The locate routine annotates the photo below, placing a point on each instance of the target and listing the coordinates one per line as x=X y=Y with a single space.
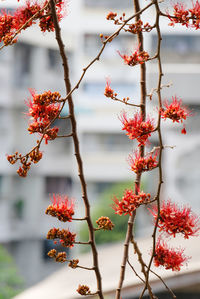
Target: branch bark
x=77 y=149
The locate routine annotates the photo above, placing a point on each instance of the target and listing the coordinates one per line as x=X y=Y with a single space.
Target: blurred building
x=34 y=63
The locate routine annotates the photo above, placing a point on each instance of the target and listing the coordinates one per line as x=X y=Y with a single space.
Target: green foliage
x=10 y=281
x=103 y=208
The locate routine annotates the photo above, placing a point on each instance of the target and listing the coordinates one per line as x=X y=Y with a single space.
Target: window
x=57 y=184
x=108 y=4
x=106 y=142
x=179 y=48
x=123 y=43
x=123 y=89
x=18 y=209
x=54 y=61
x=22 y=54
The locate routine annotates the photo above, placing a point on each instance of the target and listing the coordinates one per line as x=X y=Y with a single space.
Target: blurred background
x=34 y=62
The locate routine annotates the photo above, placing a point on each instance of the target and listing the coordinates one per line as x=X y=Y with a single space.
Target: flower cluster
x=111 y=15
x=104 y=223
x=186 y=17
x=83 y=290
x=137 y=128
x=43 y=109
x=60 y=257
x=175 y=111
x=139 y=27
x=167 y=257
x=26 y=16
x=140 y=164
x=130 y=202
x=174 y=220
x=134 y=28
x=67 y=238
x=34 y=156
x=73 y=263
x=46 y=20
x=136 y=57
x=109 y=92
x=62 y=208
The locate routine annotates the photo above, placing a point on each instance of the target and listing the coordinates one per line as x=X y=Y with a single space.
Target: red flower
x=175 y=111
x=23 y=14
x=174 y=220
x=195 y=14
x=11 y=24
x=167 y=257
x=183 y=131
x=67 y=238
x=46 y=22
x=44 y=108
x=137 y=128
x=136 y=57
x=139 y=164
x=129 y=202
x=62 y=208
x=181 y=15
x=6 y=25
x=187 y=17
x=109 y=92
x=111 y=15
x=51 y=134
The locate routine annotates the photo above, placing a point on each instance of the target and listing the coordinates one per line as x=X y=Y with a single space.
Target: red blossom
x=23 y=14
x=167 y=257
x=195 y=14
x=67 y=238
x=12 y=24
x=46 y=21
x=186 y=17
x=136 y=57
x=51 y=134
x=174 y=220
x=111 y=15
x=43 y=108
x=139 y=164
x=129 y=202
x=109 y=92
x=183 y=131
x=137 y=128
x=175 y=111
x=6 y=24
x=180 y=15
x=62 y=207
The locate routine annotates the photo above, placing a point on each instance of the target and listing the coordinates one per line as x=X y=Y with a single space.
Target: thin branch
x=86 y=268
x=82 y=243
x=77 y=149
x=64 y=117
x=142 y=263
x=79 y=219
x=135 y=272
x=64 y=136
x=125 y=102
x=155 y=89
x=160 y=142
x=138 y=177
x=169 y=290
